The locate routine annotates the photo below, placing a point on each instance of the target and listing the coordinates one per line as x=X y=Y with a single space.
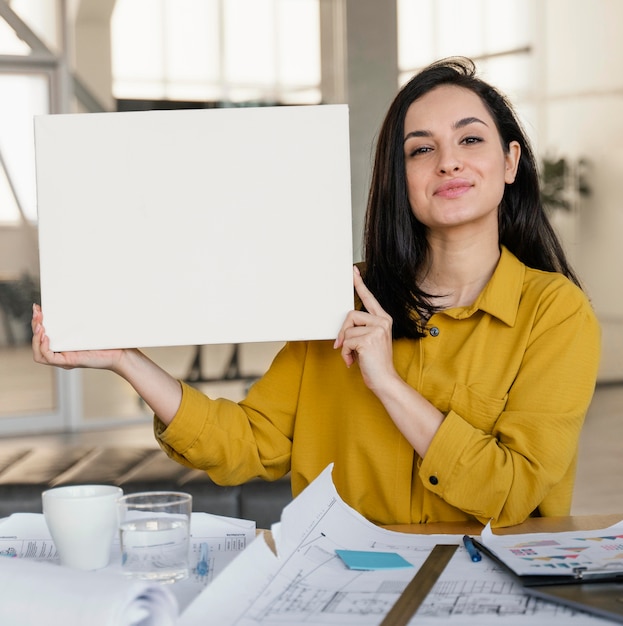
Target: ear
x=511 y=159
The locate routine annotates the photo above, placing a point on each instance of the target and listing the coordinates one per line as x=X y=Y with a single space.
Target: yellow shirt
x=514 y=374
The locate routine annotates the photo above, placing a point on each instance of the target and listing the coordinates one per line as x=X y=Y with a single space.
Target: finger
x=38 y=333
x=367 y=298
x=36 y=317
x=360 y=318
x=359 y=338
x=50 y=357
x=39 y=346
x=36 y=342
x=348 y=356
x=353 y=319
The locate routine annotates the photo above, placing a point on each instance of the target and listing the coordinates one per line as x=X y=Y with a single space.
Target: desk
x=292 y=588
x=531 y=525
x=417 y=590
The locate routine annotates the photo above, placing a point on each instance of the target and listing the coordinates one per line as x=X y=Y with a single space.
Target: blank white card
x=195 y=227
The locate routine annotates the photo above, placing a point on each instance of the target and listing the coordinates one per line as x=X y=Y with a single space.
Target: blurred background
x=558 y=60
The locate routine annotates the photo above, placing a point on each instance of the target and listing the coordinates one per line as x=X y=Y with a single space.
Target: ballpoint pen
x=473 y=552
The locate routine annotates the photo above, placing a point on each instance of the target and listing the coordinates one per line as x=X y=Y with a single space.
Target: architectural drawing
x=307 y=583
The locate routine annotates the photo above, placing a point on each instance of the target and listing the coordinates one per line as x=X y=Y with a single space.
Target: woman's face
x=456 y=167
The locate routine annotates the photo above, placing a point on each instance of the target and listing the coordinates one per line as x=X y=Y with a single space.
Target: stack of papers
x=28 y=562
x=328 y=565
x=35 y=593
x=304 y=580
x=567 y=556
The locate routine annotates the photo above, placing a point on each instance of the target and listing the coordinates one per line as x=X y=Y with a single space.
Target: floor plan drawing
x=307 y=583
x=499 y=598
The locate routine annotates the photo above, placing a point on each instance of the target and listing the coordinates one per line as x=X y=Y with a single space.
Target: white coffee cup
x=83 y=521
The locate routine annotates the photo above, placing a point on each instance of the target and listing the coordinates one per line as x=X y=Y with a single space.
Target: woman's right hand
x=161 y=391
x=97 y=359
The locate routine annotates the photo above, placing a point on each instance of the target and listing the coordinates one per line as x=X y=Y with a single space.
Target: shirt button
x=433 y=480
x=434 y=331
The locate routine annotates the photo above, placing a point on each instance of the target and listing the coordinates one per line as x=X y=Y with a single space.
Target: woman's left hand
x=366 y=337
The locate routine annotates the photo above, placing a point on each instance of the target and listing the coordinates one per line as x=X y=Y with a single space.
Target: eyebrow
x=466 y=121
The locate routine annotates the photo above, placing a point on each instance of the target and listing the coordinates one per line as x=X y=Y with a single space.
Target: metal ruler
x=415 y=592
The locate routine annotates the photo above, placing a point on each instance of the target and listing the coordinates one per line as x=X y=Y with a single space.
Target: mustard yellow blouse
x=514 y=374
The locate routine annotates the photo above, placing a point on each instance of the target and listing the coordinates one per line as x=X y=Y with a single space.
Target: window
x=497 y=34
x=42 y=17
x=30 y=396
x=196 y=50
x=217 y=50
x=29 y=97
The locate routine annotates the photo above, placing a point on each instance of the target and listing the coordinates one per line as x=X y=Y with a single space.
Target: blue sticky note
x=363 y=560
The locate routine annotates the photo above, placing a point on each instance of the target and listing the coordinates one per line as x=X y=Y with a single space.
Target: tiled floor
x=599 y=484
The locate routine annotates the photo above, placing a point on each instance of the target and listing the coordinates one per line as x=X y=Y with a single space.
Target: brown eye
x=472 y=140
x=419 y=150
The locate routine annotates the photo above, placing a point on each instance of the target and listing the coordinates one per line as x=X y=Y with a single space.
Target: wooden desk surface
x=532 y=525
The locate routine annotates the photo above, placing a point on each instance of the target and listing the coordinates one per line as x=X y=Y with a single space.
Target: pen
x=474 y=555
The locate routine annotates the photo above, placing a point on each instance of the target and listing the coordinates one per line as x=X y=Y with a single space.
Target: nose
x=449 y=160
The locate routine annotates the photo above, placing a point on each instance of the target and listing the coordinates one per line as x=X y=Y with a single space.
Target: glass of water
x=155 y=531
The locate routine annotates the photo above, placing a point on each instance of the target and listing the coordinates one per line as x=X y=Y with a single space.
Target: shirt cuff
x=179 y=435
x=438 y=467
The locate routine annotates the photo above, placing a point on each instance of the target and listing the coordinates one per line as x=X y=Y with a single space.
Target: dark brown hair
x=395 y=241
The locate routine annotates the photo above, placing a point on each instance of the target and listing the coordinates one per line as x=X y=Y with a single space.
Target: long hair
x=395 y=242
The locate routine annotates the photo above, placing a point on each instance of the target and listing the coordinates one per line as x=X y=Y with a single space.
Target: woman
x=457 y=390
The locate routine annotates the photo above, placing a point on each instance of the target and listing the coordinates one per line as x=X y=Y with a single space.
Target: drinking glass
x=154 y=535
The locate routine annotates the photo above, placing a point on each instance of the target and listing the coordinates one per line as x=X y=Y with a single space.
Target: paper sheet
x=25 y=536
x=37 y=592
x=547 y=554
x=307 y=583
x=194 y=227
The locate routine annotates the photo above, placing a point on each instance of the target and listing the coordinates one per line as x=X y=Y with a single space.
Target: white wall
x=372 y=79
x=360 y=68
x=18 y=251
x=92 y=47
x=583 y=106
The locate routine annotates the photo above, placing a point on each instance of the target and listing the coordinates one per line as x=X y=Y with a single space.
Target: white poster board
x=194 y=227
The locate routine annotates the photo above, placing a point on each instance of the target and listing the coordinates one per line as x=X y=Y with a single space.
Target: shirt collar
x=501 y=295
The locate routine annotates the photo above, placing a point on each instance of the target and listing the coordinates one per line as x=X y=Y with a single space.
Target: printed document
x=215 y=541
x=307 y=582
x=597 y=552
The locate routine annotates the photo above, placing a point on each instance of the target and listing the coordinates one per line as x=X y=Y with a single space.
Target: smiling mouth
x=453 y=190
